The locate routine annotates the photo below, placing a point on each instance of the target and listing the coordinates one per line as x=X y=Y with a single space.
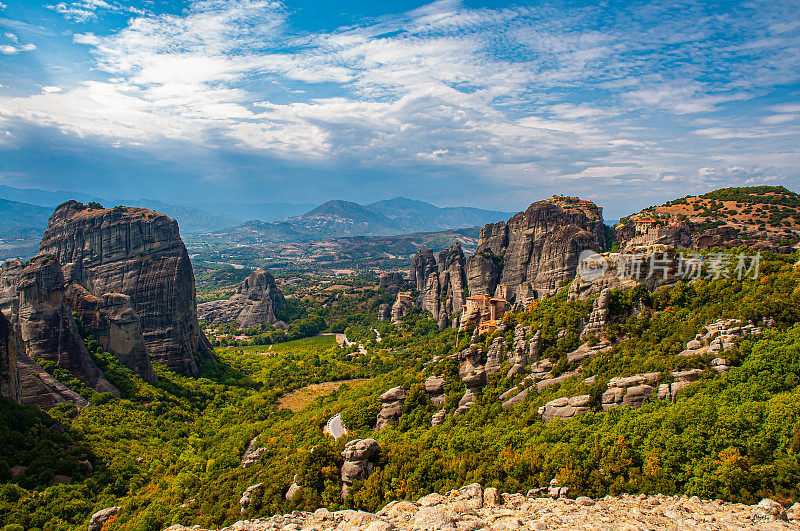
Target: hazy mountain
x=337 y=218
x=21 y=227
x=256 y=211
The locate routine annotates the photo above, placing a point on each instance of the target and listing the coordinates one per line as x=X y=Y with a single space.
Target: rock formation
x=101 y=517
x=44 y=323
x=391 y=282
x=564 y=408
x=112 y=320
x=474 y=377
x=401 y=307
x=384 y=312
x=391 y=407
x=601 y=313
x=9 y=373
x=629 y=391
x=139 y=253
x=252 y=454
x=655 y=267
x=247 y=496
x=434 y=388
x=360 y=456
x=473 y=508
x=255 y=301
x=521 y=349
x=537 y=248
x=440 y=285
x=495 y=355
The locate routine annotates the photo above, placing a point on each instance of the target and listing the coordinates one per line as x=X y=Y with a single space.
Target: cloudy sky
x=491 y=104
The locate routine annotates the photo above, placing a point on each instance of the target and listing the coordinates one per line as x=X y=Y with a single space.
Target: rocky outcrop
x=401 y=307
x=294 y=488
x=600 y=316
x=474 y=377
x=247 y=496
x=495 y=355
x=473 y=508
x=434 y=388
x=565 y=407
x=392 y=282
x=521 y=349
x=44 y=324
x=440 y=284
x=483 y=273
x=360 y=456
x=99 y=518
x=384 y=312
x=255 y=301
x=653 y=268
x=668 y=391
x=112 y=320
x=629 y=391
x=391 y=407
x=34 y=385
x=538 y=248
x=9 y=373
x=139 y=253
x=252 y=454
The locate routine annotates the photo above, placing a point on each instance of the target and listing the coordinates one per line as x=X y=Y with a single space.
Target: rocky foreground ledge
x=472 y=508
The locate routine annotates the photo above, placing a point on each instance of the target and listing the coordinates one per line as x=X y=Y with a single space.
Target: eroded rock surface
x=46 y=327
x=9 y=373
x=139 y=253
x=112 y=320
x=256 y=299
x=359 y=456
x=538 y=248
x=475 y=508
x=391 y=407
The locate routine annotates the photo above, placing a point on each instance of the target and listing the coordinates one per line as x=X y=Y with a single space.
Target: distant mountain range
x=24 y=214
x=336 y=219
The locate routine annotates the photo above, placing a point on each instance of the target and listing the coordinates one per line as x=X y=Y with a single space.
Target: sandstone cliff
x=440 y=284
x=114 y=323
x=255 y=301
x=47 y=328
x=535 y=250
x=138 y=253
x=9 y=374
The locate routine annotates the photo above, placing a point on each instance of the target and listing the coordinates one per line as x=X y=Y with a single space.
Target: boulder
x=247 y=497
x=99 y=518
x=359 y=456
x=434 y=388
x=564 y=408
x=391 y=407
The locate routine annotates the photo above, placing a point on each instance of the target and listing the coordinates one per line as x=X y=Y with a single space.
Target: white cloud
x=51 y=90
x=513 y=91
x=8 y=49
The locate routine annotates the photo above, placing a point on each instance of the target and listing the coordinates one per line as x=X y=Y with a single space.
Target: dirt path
x=300 y=398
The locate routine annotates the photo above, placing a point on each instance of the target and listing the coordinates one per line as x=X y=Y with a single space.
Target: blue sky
x=491 y=104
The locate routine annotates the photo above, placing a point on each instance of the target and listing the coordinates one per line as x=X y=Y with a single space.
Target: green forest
x=171 y=452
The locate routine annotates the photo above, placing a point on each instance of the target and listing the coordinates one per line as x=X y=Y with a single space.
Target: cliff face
x=536 y=249
x=440 y=284
x=47 y=327
x=9 y=374
x=31 y=297
x=112 y=320
x=138 y=253
x=255 y=301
